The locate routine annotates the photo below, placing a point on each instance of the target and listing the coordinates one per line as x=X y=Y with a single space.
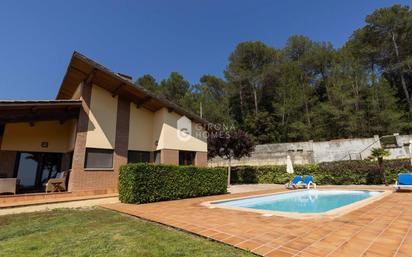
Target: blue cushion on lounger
x=307 y=179
x=297 y=179
x=405 y=179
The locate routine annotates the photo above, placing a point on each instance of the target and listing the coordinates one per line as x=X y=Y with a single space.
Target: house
x=99 y=121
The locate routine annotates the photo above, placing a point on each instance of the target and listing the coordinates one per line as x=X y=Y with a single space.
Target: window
x=99 y=159
x=138 y=156
x=186 y=157
x=157 y=157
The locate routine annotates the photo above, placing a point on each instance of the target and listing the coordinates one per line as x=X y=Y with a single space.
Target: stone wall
x=344 y=149
x=315 y=152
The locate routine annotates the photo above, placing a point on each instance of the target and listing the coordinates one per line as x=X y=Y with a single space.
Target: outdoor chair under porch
x=8 y=185
x=57 y=183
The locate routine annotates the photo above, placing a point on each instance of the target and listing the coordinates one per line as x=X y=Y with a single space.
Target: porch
x=32 y=199
x=36 y=144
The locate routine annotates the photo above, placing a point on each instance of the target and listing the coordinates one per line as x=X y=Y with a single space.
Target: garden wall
x=316 y=152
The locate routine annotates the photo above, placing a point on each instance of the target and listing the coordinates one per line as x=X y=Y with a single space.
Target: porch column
x=201 y=159
x=98 y=180
x=169 y=156
x=122 y=135
x=79 y=152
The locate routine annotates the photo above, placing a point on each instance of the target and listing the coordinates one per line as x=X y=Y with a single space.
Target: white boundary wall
x=314 y=152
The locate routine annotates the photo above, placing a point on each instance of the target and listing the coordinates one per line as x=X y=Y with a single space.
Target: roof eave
x=162 y=100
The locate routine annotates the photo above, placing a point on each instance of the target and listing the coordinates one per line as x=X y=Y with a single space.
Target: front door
x=34 y=169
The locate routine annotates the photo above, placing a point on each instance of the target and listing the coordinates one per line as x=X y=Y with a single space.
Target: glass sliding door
x=34 y=169
x=50 y=166
x=27 y=169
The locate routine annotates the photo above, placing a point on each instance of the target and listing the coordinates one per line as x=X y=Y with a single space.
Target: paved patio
x=382 y=228
x=18 y=200
x=12 y=204
x=83 y=203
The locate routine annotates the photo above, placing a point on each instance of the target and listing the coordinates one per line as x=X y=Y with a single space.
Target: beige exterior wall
x=24 y=137
x=101 y=130
x=157 y=129
x=165 y=132
x=141 y=129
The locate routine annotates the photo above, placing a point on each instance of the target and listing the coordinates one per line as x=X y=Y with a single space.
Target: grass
x=99 y=232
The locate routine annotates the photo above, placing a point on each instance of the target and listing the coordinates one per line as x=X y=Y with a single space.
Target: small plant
x=380 y=153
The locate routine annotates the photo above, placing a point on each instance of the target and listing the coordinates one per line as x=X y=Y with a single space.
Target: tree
x=310 y=90
x=212 y=97
x=287 y=103
x=383 y=115
x=229 y=145
x=380 y=153
x=246 y=65
x=262 y=127
x=175 y=88
x=386 y=38
x=149 y=82
x=341 y=89
x=297 y=52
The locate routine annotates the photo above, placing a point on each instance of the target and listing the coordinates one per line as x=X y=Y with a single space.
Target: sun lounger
x=308 y=181
x=404 y=181
x=296 y=181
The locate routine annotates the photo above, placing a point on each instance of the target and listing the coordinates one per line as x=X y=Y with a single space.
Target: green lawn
x=99 y=232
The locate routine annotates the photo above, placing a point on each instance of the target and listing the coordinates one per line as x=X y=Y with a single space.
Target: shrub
x=328 y=173
x=144 y=183
x=259 y=175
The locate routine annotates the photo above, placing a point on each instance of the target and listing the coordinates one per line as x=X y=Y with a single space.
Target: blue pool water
x=307 y=201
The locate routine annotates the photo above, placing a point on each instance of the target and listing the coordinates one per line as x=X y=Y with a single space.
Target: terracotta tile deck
x=20 y=200
x=382 y=228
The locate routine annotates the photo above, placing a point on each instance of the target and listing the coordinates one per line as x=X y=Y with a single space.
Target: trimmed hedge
x=144 y=183
x=328 y=173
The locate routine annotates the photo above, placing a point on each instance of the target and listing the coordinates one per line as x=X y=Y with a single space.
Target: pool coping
x=334 y=213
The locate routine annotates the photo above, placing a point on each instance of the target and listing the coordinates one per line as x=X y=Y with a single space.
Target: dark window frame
x=39 y=169
x=99 y=150
x=157 y=155
x=2 y=129
x=143 y=156
x=187 y=158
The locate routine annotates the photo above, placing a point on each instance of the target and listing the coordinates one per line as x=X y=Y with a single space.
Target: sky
x=192 y=37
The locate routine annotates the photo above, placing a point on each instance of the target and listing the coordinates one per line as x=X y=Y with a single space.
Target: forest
x=307 y=89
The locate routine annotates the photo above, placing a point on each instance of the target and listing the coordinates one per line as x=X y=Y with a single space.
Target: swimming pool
x=304 y=202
